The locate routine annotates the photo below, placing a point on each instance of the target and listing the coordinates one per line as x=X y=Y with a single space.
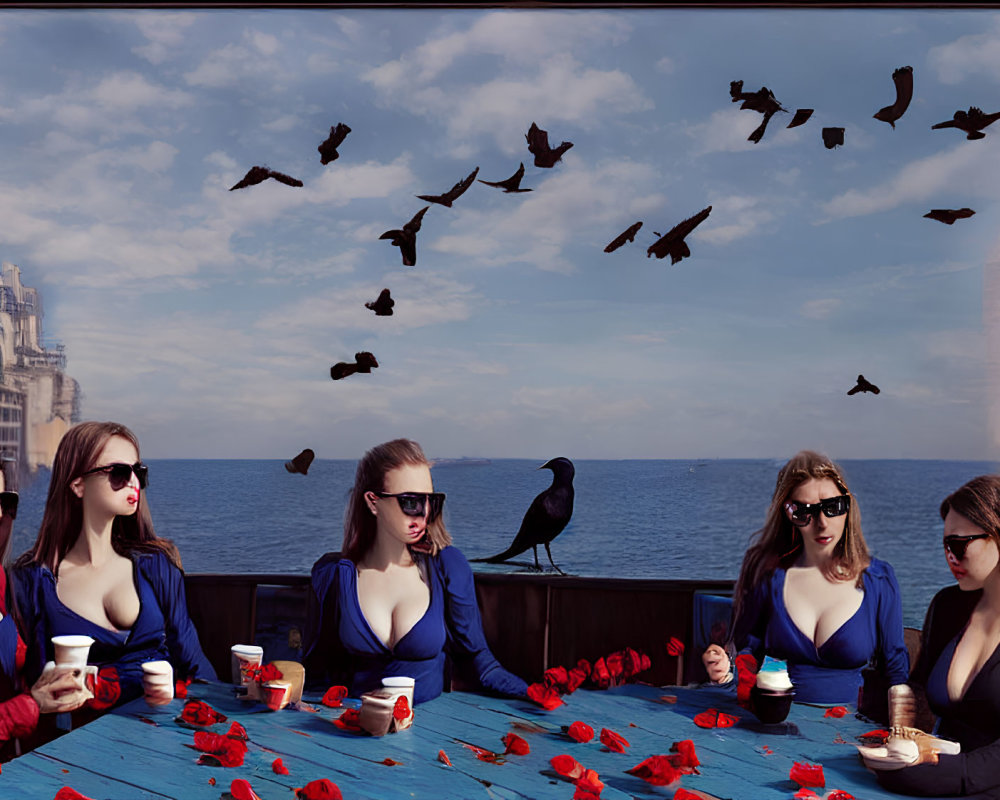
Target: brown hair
x=979 y=502
x=777 y=544
x=8 y=469
x=63 y=518
x=359 y=522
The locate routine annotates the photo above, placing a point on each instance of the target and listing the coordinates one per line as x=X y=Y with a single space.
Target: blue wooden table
x=139 y=752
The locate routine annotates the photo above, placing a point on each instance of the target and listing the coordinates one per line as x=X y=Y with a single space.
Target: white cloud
x=235 y=64
x=744 y=216
x=165 y=32
x=820 y=309
x=727 y=130
x=665 y=65
x=975 y=54
x=282 y=124
x=581 y=403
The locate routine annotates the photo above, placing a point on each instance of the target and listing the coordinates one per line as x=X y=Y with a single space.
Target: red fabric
x=18 y=717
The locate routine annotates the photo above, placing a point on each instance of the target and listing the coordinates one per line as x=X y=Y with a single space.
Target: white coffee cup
x=72 y=651
x=401 y=685
x=158 y=682
x=245 y=655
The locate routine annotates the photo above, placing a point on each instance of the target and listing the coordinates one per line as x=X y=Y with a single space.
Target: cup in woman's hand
x=158 y=682
x=72 y=651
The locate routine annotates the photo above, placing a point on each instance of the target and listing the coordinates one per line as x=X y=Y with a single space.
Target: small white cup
x=399 y=685
x=158 y=682
x=245 y=655
x=72 y=651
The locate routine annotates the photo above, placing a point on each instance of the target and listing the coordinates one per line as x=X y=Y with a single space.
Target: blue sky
x=208 y=320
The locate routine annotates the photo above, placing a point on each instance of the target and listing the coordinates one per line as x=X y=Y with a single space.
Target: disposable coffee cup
x=397 y=686
x=243 y=656
x=71 y=651
x=158 y=682
x=276 y=694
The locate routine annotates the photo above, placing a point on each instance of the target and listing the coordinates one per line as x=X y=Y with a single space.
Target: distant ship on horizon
x=464 y=461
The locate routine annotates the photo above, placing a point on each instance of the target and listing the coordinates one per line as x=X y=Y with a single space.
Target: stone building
x=38 y=401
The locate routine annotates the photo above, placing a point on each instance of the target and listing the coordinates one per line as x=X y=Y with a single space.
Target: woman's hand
x=60 y=689
x=717 y=664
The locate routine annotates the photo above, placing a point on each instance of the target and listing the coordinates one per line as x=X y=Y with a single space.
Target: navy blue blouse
x=831 y=673
x=163 y=629
x=339 y=640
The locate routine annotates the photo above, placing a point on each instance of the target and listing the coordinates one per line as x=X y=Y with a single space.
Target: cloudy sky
x=208 y=320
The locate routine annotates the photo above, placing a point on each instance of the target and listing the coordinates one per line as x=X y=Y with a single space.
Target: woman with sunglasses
x=56 y=691
x=400 y=595
x=958 y=669
x=98 y=568
x=809 y=592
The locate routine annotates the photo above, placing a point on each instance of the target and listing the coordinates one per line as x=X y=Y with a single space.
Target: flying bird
x=538 y=146
x=627 y=235
x=832 y=137
x=903 y=78
x=673 y=243
x=546 y=516
x=972 y=122
x=363 y=362
x=763 y=100
x=864 y=386
x=406 y=239
x=453 y=193
x=383 y=306
x=512 y=183
x=328 y=149
x=949 y=215
x=301 y=462
x=801 y=115
x=260 y=174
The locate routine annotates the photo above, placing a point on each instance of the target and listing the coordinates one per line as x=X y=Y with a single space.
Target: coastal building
x=38 y=401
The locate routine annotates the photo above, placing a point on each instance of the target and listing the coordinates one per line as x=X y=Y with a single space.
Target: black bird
x=949 y=215
x=406 y=239
x=627 y=235
x=364 y=362
x=453 y=193
x=546 y=516
x=301 y=462
x=260 y=174
x=328 y=149
x=903 y=78
x=832 y=137
x=972 y=122
x=538 y=146
x=864 y=386
x=383 y=306
x=801 y=115
x=763 y=100
x=512 y=183
x=673 y=243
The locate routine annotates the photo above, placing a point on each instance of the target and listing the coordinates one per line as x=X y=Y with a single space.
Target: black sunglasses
x=412 y=503
x=8 y=504
x=120 y=474
x=803 y=513
x=957 y=545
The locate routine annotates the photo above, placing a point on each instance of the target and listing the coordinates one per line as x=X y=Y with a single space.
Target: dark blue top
x=339 y=639
x=163 y=629
x=831 y=673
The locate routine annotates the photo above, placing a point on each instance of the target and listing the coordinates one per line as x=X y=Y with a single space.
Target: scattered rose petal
x=323 y=789
x=181 y=688
x=334 y=696
x=350 y=720
x=443 y=758
x=580 y=732
x=401 y=709
x=237 y=731
x=547 y=697
x=839 y=794
x=219 y=749
x=567 y=766
x=836 y=711
x=684 y=794
x=104 y=687
x=242 y=790
x=688 y=756
x=600 y=675
x=390 y=763
x=616 y=667
x=279 y=767
x=875 y=737
x=675 y=646
x=68 y=793
x=657 y=770
x=613 y=741
x=197 y=712
x=588 y=785
x=575 y=678
x=556 y=677
x=483 y=754
x=668 y=699
x=211 y=781
x=516 y=745
x=804 y=794
x=713 y=718
x=269 y=672
x=807 y=774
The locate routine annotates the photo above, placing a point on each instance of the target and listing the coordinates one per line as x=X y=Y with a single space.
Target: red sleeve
x=18 y=717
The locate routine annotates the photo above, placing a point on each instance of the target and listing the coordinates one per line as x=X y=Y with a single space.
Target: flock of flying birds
x=763 y=101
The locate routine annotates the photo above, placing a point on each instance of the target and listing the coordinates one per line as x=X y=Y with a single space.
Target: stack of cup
x=158 y=682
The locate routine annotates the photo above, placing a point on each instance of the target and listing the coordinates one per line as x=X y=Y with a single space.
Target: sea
x=679 y=519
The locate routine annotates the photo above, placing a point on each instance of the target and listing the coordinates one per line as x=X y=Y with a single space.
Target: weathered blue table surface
x=122 y=756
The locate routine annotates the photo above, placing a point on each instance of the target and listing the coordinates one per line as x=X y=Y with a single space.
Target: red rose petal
x=567 y=766
x=575 y=678
x=68 y=793
x=105 y=688
x=689 y=758
x=675 y=646
x=443 y=758
x=237 y=731
x=589 y=783
x=600 y=675
x=804 y=794
x=656 y=770
x=323 y=789
x=390 y=763
x=839 y=794
x=807 y=774
x=580 y=731
x=547 y=697
x=684 y=794
x=334 y=695
x=556 y=677
x=727 y=720
x=279 y=767
x=836 y=711
x=181 y=688
x=241 y=790
x=613 y=741
x=401 y=709
x=483 y=754
x=616 y=666
x=350 y=720
x=516 y=745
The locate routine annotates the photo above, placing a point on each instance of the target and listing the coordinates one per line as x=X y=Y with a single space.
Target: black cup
x=770 y=707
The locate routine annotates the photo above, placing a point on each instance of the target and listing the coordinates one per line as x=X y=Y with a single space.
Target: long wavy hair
x=9 y=471
x=979 y=502
x=360 y=523
x=779 y=543
x=62 y=521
